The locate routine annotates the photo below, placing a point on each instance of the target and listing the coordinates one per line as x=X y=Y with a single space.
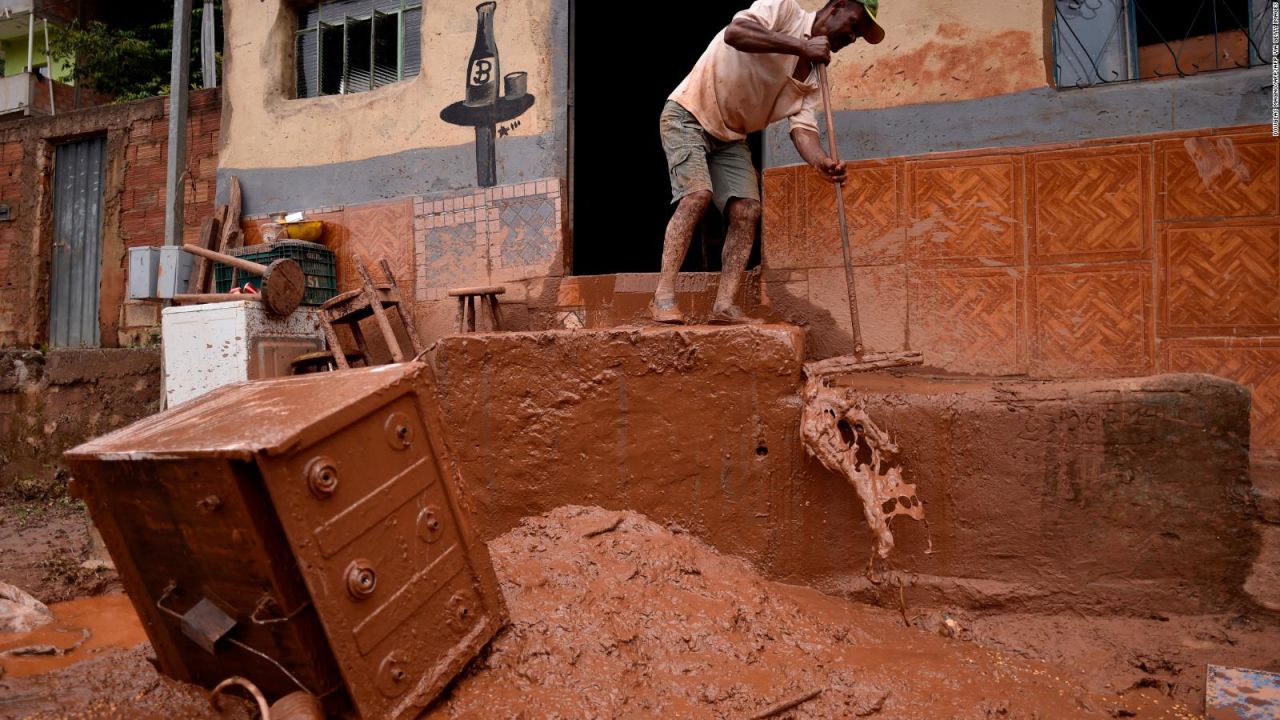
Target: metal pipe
x=208 y=46
x=31 y=42
x=48 y=62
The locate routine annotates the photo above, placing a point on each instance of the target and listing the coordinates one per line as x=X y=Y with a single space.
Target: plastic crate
x=317 y=262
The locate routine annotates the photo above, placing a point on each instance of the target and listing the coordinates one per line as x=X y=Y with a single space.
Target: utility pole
x=179 y=96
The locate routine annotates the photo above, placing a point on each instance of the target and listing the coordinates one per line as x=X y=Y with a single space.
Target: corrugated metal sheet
x=76 y=272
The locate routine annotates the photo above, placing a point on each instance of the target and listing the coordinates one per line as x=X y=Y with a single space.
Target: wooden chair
x=352 y=306
x=467 y=306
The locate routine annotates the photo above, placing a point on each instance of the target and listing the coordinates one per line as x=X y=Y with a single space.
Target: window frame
x=1257 y=36
x=372 y=16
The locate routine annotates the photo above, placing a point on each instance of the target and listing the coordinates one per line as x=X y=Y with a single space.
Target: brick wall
x=147 y=156
x=133 y=205
x=1128 y=256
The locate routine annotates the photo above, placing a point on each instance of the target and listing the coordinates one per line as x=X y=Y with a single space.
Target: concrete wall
x=1123 y=495
x=944 y=51
x=293 y=154
x=134 y=201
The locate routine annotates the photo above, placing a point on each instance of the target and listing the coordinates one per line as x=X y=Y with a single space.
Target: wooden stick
x=202 y=268
x=198 y=298
x=864 y=363
x=844 y=222
x=787 y=705
x=235 y=262
x=231 y=222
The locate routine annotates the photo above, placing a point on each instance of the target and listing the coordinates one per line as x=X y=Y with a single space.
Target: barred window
x=1108 y=41
x=349 y=46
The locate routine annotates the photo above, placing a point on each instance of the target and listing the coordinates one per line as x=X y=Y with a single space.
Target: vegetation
x=127 y=52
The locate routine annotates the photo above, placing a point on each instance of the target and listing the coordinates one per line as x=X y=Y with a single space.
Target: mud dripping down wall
x=838 y=431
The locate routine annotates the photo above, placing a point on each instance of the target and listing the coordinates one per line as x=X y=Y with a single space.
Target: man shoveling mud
x=760 y=69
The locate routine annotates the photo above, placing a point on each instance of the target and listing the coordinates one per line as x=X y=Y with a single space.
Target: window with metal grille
x=349 y=46
x=1109 y=41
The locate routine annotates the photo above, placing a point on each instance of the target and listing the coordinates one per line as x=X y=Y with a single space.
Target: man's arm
x=810 y=148
x=752 y=37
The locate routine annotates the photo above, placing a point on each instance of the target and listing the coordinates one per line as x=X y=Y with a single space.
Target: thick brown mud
x=615 y=616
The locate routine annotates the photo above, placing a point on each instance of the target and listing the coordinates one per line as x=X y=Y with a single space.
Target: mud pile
x=615 y=616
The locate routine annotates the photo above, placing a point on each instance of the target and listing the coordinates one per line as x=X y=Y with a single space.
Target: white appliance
x=208 y=346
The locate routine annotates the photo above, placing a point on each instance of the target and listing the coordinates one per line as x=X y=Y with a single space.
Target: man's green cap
x=876 y=33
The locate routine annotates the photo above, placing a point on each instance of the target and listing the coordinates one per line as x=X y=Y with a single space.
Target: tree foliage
x=128 y=55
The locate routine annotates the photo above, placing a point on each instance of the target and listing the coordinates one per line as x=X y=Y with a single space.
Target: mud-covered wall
x=50 y=402
x=1119 y=257
x=1126 y=495
x=133 y=207
x=294 y=154
x=944 y=51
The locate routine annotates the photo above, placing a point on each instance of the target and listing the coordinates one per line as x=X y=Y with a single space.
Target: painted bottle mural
x=482 y=71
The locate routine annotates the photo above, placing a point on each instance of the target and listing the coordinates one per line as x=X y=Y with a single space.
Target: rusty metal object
x=283 y=283
x=215 y=697
x=322 y=477
x=206 y=624
x=429 y=524
x=361 y=579
x=296 y=706
x=367 y=501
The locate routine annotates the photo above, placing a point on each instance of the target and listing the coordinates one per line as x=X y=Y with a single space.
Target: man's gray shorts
x=698 y=161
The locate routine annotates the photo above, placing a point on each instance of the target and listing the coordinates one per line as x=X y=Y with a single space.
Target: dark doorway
x=623 y=74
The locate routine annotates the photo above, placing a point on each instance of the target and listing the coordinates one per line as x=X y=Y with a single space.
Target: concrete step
x=1265 y=473
x=1263 y=584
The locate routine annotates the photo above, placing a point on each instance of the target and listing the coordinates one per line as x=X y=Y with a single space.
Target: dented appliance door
x=393 y=572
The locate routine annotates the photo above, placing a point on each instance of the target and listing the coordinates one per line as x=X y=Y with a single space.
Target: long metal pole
x=179 y=82
x=844 y=222
x=48 y=62
x=209 y=46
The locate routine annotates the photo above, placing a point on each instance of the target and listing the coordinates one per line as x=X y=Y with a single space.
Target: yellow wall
x=264 y=127
x=942 y=51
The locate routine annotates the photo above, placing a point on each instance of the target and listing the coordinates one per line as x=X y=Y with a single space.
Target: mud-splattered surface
x=614 y=616
x=116 y=684
x=44 y=545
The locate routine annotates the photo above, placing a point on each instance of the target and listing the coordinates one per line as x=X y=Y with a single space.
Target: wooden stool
x=467 y=306
x=351 y=307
